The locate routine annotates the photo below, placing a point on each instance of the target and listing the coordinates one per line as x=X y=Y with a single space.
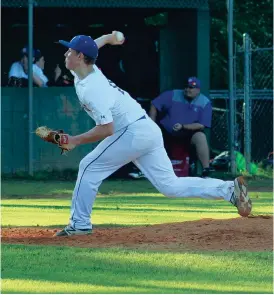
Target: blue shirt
x=178 y=109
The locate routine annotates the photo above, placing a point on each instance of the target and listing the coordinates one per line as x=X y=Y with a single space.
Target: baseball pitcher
x=127 y=134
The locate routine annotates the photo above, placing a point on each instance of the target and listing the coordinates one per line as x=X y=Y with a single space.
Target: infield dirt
x=254 y=233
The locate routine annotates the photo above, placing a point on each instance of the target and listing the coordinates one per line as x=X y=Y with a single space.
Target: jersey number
x=112 y=84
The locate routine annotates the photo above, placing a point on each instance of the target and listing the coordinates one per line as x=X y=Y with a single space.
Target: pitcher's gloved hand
x=57 y=137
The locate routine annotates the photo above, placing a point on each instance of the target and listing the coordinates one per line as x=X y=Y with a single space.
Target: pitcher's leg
x=90 y=176
x=158 y=169
x=105 y=159
x=84 y=194
x=111 y=154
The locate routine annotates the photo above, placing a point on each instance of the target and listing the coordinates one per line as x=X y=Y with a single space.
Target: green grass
x=49 y=269
x=21 y=188
x=15 y=188
x=119 y=203
x=69 y=270
x=125 y=210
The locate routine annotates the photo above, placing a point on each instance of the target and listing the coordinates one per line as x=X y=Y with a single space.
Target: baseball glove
x=56 y=137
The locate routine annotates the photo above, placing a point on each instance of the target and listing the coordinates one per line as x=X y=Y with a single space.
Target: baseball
x=120 y=36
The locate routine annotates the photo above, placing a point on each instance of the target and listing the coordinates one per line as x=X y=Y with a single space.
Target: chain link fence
x=252 y=65
x=262 y=102
x=253 y=81
x=220 y=116
x=220 y=123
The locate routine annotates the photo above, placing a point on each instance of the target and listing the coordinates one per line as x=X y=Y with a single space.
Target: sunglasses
x=190 y=86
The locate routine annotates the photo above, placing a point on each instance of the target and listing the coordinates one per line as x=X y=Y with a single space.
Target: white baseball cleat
x=71 y=231
x=240 y=198
x=137 y=175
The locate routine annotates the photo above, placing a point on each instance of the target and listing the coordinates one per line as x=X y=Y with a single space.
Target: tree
x=250 y=16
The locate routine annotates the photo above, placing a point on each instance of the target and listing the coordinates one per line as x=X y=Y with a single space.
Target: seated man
x=185 y=115
x=43 y=81
x=38 y=68
x=18 y=73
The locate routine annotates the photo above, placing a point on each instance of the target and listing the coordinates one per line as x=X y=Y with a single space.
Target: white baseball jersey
x=105 y=102
x=40 y=74
x=16 y=70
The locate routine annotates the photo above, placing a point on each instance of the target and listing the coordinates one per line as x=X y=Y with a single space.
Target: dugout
x=167 y=40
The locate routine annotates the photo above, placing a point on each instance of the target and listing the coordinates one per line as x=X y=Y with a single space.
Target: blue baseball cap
x=37 y=54
x=83 y=44
x=193 y=82
x=25 y=51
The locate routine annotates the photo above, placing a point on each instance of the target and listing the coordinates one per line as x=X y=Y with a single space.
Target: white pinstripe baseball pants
x=141 y=143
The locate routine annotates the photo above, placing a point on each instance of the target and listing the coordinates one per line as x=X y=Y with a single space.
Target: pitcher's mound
x=253 y=234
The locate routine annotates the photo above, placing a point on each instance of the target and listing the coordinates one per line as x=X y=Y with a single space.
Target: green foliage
x=250 y=16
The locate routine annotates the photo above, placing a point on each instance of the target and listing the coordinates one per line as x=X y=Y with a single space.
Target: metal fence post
x=231 y=92
x=237 y=145
x=247 y=101
x=30 y=84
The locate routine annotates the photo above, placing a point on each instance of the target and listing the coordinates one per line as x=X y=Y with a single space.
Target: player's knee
x=168 y=192
x=83 y=164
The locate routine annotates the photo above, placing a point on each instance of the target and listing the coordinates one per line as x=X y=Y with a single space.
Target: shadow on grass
x=143 y=210
x=35 y=206
x=37 y=197
x=141 y=271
